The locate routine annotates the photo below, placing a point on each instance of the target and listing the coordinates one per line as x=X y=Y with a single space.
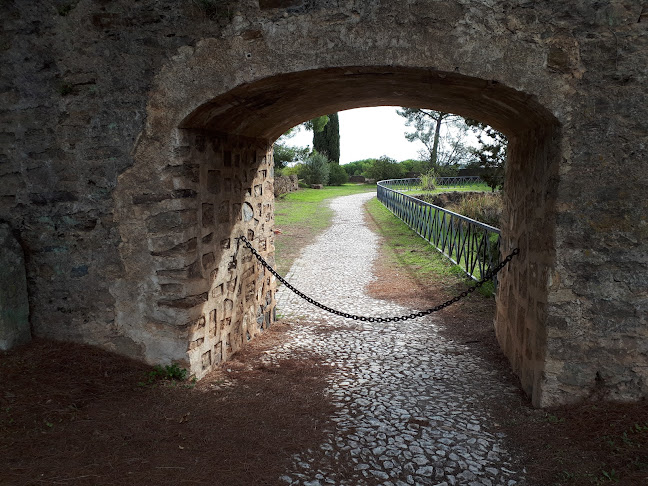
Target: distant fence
x=472 y=245
x=414 y=184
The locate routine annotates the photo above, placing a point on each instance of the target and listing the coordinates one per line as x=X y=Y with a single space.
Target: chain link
x=489 y=275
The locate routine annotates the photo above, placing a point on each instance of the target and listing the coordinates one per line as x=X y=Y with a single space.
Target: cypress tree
x=327 y=141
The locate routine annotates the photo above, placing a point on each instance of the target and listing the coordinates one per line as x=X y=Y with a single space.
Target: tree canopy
x=490 y=157
x=384 y=168
x=316 y=125
x=444 y=149
x=285 y=154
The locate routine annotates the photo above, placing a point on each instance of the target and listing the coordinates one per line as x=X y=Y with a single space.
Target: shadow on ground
x=73 y=414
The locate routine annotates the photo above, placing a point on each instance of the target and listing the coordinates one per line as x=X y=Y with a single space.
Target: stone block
x=185 y=302
x=14 y=306
x=171 y=221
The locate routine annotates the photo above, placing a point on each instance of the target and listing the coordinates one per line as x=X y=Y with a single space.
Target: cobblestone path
x=410 y=405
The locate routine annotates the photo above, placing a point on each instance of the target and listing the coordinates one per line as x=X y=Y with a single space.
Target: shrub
x=384 y=168
x=486 y=208
x=337 y=175
x=315 y=169
x=288 y=171
x=428 y=180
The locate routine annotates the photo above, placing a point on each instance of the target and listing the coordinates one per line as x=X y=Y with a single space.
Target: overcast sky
x=368 y=133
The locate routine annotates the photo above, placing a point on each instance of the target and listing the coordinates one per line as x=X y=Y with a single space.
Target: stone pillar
x=529 y=202
x=14 y=306
x=193 y=296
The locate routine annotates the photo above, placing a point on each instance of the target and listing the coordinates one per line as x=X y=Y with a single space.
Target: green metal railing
x=470 y=244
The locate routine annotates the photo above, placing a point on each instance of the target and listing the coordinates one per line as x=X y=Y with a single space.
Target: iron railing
x=414 y=184
x=470 y=244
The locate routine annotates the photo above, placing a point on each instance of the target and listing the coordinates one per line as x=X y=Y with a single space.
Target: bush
x=337 y=175
x=315 y=169
x=429 y=180
x=384 y=168
x=486 y=208
x=288 y=171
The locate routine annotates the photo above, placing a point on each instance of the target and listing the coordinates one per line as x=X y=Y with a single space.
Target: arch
x=226 y=140
x=270 y=106
x=216 y=106
x=107 y=179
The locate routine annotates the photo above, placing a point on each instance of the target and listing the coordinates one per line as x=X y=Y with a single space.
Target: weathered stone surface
x=14 y=305
x=120 y=120
x=285 y=184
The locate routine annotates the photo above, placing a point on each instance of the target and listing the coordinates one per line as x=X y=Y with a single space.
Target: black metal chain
x=489 y=275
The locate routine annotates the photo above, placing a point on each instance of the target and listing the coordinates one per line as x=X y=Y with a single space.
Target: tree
x=444 y=149
x=491 y=155
x=327 y=140
x=384 y=168
x=417 y=167
x=316 y=125
x=284 y=155
x=315 y=169
x=337 y=175
x=358 y=167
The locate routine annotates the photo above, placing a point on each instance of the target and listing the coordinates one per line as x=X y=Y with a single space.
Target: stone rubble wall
x=285 y=184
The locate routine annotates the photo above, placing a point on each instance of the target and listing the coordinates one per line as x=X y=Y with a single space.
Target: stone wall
x=203 y=295
x=529 y=205
x=113 y=114
x=285 y=184
x=14 y=305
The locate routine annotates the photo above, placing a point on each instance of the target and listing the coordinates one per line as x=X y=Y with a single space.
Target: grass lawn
x=408 y=249
x=301 y=216
x=411 y=252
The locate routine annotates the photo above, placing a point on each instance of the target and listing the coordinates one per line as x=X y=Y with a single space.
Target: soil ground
x=75 y=415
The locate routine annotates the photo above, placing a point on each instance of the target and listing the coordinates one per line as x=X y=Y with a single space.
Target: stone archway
x=111 y=132
x=221 y=102
x=218 y=185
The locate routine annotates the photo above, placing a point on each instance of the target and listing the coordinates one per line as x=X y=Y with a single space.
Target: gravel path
x=410 y=405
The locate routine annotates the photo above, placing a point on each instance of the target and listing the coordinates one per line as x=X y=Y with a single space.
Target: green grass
x=302 y=206
x=302 y=215
x=407 y=249
x=481 y=187
x=421 y=260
